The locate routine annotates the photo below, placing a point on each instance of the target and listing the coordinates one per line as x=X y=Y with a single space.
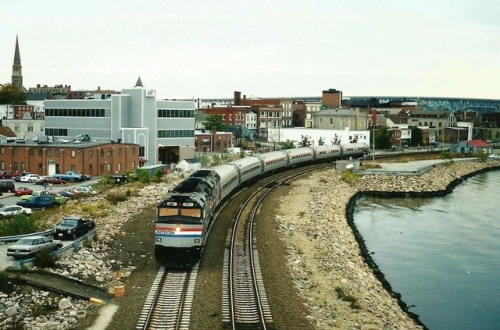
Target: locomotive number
x=165 y=232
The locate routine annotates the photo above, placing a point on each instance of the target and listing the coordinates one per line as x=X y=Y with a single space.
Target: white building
x=164 y=129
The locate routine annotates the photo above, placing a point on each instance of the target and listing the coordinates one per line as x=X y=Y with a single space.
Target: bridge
x=427 y=103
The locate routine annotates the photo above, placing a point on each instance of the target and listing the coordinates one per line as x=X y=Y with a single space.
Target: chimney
x=237 y=98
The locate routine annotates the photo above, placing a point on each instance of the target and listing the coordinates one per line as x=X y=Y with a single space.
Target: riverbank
x=328 y=261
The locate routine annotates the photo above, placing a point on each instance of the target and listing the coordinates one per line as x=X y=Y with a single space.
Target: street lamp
x=373 y=144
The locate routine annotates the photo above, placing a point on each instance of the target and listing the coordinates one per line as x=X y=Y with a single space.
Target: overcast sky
x=263 y=48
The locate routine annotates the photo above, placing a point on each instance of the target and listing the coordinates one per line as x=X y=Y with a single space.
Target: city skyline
x=263 y=49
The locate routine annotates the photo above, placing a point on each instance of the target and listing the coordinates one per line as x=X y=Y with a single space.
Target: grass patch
x=342 y=294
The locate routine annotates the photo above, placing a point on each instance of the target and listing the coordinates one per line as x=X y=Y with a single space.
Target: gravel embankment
x=312 y=264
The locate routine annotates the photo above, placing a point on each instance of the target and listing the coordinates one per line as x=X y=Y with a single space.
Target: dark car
x=5 y=175
x=73 y=227
x=51 y=180
x=39 y=202
x=7 y=186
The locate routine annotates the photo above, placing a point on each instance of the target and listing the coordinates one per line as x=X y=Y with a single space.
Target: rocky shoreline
x=329 y=262
x=331 y=268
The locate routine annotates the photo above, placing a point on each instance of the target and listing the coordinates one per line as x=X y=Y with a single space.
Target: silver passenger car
x=274 y=160
x=29 y=247
x=300 y=155
x=229 y=178
x=249 y=167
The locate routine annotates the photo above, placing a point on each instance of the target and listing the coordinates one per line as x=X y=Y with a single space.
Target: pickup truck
x=70 y=176
x=72 y=227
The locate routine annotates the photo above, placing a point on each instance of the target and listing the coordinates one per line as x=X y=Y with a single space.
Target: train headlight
x=197 y=240
x=178 y=229
x=158 y=239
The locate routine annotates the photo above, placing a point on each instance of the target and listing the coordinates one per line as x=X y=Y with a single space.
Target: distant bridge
x=429 y=103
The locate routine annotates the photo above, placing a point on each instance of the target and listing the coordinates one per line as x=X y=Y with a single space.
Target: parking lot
x=11 y=199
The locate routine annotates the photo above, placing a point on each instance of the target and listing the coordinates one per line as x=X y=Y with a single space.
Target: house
x=471 y=147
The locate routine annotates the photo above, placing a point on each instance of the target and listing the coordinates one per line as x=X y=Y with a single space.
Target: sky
x=262 y=48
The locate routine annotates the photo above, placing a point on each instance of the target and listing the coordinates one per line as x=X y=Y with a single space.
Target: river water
x=441 y=254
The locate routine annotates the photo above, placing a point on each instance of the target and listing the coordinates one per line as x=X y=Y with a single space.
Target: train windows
x=165 y=212
x=193 y=213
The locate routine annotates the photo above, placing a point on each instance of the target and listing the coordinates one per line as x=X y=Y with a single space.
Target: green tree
x=416 y=136
x=10 y=94
x=287 y=145
x=383 y=138
x=215 y=121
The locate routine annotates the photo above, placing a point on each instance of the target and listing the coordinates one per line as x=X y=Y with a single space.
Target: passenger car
x=59 y=199
x=5 y=175
x=11 y=210
x=51 y=180
x=21 y=191
x=72 y=227
x=31 y=246
x=39 y=202
x=7 y=186
x=31 y=178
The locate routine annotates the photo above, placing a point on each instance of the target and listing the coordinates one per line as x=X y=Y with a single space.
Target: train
x=184 y=216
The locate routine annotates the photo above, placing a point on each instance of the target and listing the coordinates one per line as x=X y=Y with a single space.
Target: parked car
x=70 y=193
x=72 y=227
x=51 y=180
x=85 y=190
x=22 y=191
x=12 y=210
x=493 y=156
x=31 y=178
x=39 y=202
x=30 y=246
x=18 y=177
x=7 y=186
x=58 y=198
x=5 y=175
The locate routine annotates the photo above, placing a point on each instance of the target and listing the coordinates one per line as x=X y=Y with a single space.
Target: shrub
x=115 y=198
x=18 y=225
x=7 y=284
x=349 y=176
x=144 y=176
x=346 y=296
x=45 y=259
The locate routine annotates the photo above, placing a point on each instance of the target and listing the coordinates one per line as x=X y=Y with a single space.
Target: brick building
x=92 y=158
x=213 y=141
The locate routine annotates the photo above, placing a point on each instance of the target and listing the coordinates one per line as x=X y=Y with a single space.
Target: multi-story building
x=332 y=98
x=163 y=129
x=310 y=109
x=435 y=120
x=352 y=119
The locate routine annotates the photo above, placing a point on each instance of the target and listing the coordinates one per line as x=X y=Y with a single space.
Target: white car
x=31 y=178
x=85 y=190
x=8 y=211
x=493 y=156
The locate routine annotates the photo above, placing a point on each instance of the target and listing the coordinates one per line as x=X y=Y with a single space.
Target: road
x=11 y=199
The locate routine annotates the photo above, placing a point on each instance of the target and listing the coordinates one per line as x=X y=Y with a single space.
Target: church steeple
x=17 y=74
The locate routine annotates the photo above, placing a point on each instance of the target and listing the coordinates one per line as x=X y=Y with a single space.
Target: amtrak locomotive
x=184 y=217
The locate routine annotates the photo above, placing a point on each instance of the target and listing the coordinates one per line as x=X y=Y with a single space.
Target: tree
x=10 y=94
x=383 y=138
x=305 y=141
x=321 y=141
x=287 y=145
x=215 y=121
x=416 y=136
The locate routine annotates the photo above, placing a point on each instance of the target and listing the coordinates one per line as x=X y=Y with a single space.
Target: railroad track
x=244 y=299
x=169 y=302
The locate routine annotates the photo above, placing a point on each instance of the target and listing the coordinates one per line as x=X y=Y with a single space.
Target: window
x=73 y=154
x=91 y=169
x=2 y=150
x=119 y=151
x=102 y=152
x=31 y=151
x=15 y=151
x=58 y=152
x=40 y=151
x=91 y=153
x=133 y=150
x=49 y=152
x=119 y=167
x=110 y=152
